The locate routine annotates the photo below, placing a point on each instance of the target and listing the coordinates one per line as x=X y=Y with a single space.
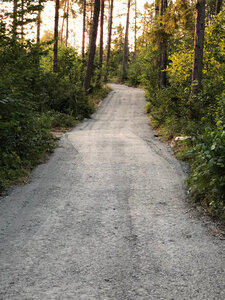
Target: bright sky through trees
x=75 y=24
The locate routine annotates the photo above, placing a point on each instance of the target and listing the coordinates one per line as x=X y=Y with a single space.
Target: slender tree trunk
x=67 y=22
x=91 y=23
x=163 y=49
x=56 y=35
x=135 y=29
x=90 y=64
x=63 y=20
x=22 y=19
x=126 y=46
x=84 y=27
x=39 y=24
x=198 y=46
x=109 y=39
x=15 y=19
x=101 y=37
x=218 y=6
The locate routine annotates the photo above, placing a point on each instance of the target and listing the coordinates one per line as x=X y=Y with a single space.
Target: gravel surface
x=107 y=218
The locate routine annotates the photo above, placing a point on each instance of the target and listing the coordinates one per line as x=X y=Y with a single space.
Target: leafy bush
x=207 y=178
x=24 y=139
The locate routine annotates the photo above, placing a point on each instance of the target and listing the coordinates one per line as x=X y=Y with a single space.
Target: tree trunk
x=101 y=37
x=135 y=29
x=67 y=22
x=163 y=50
x=126 y=46
x=218 y=6
x=39 y=24
x=63 y=20
x=109 y=39
x=22 y=19
x=15 y=19
x=91 y=22
x=84 y=27
x=198 y=46
x=56 y=35
x=90 y=64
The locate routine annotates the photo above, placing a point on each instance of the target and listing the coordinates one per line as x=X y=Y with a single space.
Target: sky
x=75 y=25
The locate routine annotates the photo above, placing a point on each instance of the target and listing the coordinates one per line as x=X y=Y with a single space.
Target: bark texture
x=198 y=46
x=101 y=37
x=163 y=48
x=126 y=46
x=84 y=27
x=109 y=39
x=39 y=24
x=15 y=19
x=88 y=75
x=56 y=36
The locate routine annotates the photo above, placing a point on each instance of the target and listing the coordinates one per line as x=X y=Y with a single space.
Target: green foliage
x=207 y=178
x=28 y=91
x=24 y=139
x=174 y=111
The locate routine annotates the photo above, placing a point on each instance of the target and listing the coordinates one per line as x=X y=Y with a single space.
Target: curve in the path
x=106 y=218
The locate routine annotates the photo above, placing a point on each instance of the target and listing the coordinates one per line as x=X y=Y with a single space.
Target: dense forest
x=175 y=50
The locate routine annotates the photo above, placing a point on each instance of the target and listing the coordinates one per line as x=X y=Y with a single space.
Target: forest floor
x=107 y=217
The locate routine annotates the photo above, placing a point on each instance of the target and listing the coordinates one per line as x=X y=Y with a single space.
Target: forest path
x=106 y=218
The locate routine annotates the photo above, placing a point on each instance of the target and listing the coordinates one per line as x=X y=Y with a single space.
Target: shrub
x=207 y=178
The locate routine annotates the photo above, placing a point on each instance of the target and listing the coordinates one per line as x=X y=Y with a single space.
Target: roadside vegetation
x=40 y=91
x=179 y=103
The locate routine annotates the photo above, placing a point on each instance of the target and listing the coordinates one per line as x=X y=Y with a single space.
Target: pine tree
x=163 y=48
x=90 y=64
x=126 y=46
x=111 y=3
x=84 y=28
x=198 y=46
x=56 y=36
x=101 y=37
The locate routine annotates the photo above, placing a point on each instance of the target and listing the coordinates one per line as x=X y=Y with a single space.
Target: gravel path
x=107 y=218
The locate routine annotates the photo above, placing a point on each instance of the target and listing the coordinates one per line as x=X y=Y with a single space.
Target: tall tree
x=163 y=48
x=15 y=19
x=63 y=20
x=67 y=21
x=126 y=46
x=198 y=46
x=135 y=29
x=39 y=22
x=218 y=6
x=84 y=27
x=110 y=22
x=90 y=64
x=56 y=36
x=101 y=37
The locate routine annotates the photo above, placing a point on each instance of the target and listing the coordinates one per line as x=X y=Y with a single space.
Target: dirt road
x=106 y=218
